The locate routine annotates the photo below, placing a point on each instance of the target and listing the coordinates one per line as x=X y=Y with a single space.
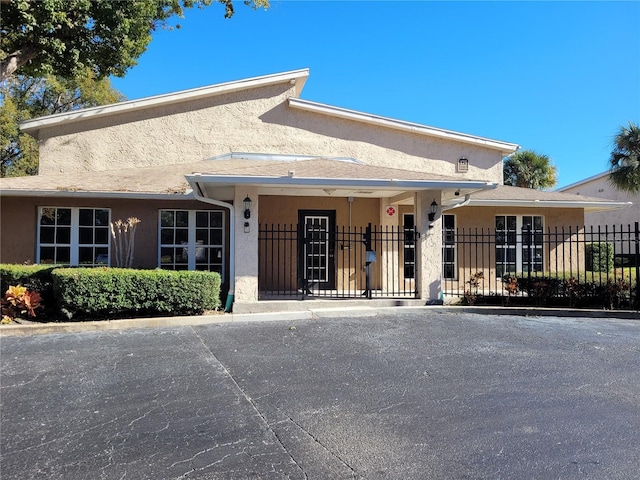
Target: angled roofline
x=583 y=181
x=503 y=147
x=297 y=77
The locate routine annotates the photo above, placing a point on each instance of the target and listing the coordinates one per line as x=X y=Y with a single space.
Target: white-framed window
x=519 y=244
x=449 y=251
x=409 y=248
x=77 y=236
x=191 y=240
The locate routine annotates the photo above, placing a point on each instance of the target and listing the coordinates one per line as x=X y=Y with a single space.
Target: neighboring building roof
x=296 y=77
x=527 y=197
x=583 y=181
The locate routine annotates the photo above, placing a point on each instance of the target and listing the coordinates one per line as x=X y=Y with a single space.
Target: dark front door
x=317 y=263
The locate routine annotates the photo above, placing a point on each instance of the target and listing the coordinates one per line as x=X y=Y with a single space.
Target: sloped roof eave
x=386 y=122
x=584 y=181
x=125 y=195
x=586 y=205
x=298 y=76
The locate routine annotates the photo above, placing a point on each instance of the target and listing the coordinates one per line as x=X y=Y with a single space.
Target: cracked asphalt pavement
x=405 y=396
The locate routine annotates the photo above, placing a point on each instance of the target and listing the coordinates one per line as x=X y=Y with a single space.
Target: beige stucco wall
x=478 y=221
x=602 y=188
x=254 y=121
x=278 y=268
x=19 y=224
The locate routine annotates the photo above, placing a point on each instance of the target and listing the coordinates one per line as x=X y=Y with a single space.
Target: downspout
x=467 y=199
x=232 y=244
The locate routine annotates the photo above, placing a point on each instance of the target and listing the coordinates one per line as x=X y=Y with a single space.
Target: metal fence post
x=637 y=262
x=367 y=268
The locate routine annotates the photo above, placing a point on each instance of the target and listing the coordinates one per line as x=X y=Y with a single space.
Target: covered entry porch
x=316 y=258
x=332 y=228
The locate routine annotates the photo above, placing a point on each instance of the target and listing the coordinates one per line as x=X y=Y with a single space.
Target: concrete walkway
x=297 y=310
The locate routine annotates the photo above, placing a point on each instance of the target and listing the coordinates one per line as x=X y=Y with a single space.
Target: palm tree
x=529 y=169
x=624 y=167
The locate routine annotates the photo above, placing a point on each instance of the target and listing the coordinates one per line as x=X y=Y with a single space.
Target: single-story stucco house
x=283 y=196
x=600 y=186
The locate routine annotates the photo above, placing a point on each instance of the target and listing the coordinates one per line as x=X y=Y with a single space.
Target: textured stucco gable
x=601 y=187
x=256 y=118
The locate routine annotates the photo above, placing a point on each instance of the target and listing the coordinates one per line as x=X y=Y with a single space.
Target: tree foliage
x=529 y=169
x=624 y=163
x=63 y=37
x=24 y=98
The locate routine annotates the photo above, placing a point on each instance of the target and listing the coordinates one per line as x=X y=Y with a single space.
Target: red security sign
x=391 y=211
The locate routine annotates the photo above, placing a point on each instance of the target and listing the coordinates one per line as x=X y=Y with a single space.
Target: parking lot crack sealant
x=251 y=402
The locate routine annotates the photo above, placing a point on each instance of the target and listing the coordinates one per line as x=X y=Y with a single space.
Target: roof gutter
x=593 y=206
x=379 y=183
x=197 y=193
x=467 y=199
x=63 y=193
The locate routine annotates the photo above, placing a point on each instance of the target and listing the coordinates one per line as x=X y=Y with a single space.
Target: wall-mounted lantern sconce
x=247 y=207
x=432 y=210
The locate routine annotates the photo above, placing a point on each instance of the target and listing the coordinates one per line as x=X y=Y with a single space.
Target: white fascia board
x=503 y=147
x=582 y=182
x=592 y=206
x=87 y=194
x=314 y=182
x=297 y=76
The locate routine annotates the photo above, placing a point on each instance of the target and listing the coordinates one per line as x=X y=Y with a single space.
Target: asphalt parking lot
x=405 y=396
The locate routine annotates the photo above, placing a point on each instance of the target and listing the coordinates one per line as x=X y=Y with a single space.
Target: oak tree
x=23 y=98
x=62 y=37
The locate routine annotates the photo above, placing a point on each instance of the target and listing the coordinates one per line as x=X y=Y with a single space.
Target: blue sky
x=559 y=78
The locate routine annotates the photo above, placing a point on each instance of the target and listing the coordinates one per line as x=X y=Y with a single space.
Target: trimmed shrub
x=599 y=256
x=119 y=292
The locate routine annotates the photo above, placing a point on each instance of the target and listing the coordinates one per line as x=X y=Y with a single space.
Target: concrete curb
x=310 y=314
x=68 y=327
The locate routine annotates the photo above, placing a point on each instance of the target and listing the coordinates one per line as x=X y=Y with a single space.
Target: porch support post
x=430 y=252
x=389 y=257
x=246 y=251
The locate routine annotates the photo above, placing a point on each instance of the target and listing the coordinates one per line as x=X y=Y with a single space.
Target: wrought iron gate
x=312 y=260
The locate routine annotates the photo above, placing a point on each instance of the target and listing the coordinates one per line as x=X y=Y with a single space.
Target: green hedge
x=599 y=257
x=25 y=275
x=117 y=292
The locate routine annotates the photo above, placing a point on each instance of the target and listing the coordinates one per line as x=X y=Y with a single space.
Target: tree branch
x=15 y=60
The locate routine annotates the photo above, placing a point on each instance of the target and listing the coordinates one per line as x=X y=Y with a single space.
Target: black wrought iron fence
x=312 y=260
x=567 y=266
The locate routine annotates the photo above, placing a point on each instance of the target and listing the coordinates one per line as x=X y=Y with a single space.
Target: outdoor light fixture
x=432 y=210
x=247 y=207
